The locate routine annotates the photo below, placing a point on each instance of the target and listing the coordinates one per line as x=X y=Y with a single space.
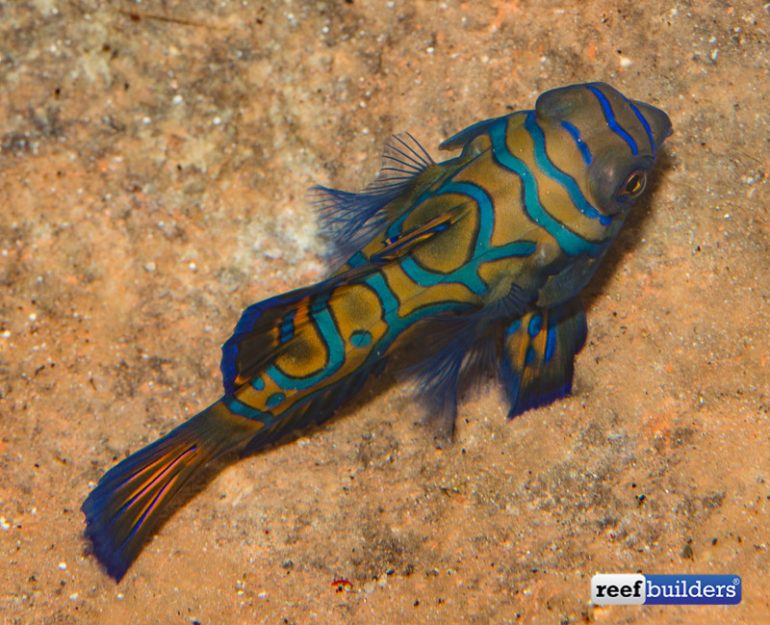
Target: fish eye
x=633 y=186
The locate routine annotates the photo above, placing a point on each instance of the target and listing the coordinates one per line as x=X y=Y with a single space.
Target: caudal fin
x=126 y=506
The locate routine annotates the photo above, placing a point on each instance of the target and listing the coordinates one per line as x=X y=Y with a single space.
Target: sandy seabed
x=154 y=158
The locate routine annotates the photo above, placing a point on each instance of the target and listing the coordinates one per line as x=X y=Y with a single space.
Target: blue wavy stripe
x=244 y=410
x=357 y=260
x=516 y=248
x=335 y=346
x=384 y=343
x=611 y=121
x=486 y=210
x=402 y=323
x=572 y=243
x=396 y=228
x=582 y=145
x=388 y=301
x=466 y=275
x=565 y=180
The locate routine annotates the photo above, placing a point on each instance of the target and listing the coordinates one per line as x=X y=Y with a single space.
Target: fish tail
x=129 y=501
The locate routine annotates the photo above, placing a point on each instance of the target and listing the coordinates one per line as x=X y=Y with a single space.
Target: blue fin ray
x=452 y=341
x=462 y=350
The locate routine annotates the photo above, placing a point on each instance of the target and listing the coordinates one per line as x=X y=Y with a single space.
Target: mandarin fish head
x=617 y=139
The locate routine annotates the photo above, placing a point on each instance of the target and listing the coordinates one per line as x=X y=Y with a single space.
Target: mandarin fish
x=451 y=269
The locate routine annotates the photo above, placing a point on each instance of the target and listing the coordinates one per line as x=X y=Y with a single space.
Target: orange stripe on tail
x=127 y=505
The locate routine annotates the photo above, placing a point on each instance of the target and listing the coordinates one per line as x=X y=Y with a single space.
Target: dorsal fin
x=466 y=135
x=351 y=220
x=403 y=157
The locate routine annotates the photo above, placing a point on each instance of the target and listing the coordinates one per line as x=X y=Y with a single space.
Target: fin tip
x=539 y=401
x=101 y=543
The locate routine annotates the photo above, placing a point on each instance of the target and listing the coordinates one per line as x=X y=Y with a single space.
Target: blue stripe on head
x=609 y=115
x=553 y=172
x=644 y=123
x=582 y=145
x=570 y=242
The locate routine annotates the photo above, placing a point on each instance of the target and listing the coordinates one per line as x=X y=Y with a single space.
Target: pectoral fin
x=539 y=350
